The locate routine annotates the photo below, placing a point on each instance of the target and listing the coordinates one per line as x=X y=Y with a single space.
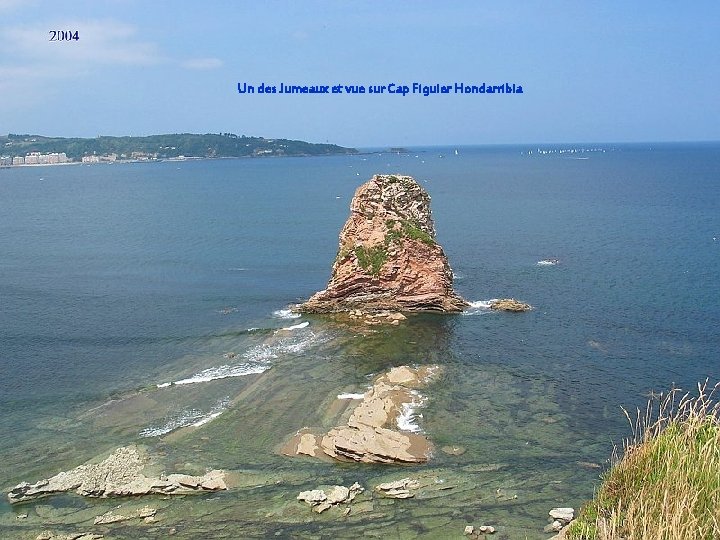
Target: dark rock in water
x=388 y=257
x=510 y=304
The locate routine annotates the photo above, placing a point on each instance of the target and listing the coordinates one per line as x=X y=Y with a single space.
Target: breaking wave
x=220 y=372
x=286 y=314
x=408 y=417
x=255 y=360
x=188 y=417
x=297 y=326
x=479 y=307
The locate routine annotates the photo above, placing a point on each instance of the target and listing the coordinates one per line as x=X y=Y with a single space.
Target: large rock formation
x=388 y=257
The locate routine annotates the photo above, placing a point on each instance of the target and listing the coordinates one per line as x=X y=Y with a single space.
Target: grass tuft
x=371 y=259
x=667 y=484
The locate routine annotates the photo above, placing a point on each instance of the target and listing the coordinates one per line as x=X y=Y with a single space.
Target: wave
x=351 y=396
x=548 y=262
x=286 y=314
x=479 y=307
x=255 y=360
x=220 y=372
x=297 y=326
x=408 y=417
x=188 y=417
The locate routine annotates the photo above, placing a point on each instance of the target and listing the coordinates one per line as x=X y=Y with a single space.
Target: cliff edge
x=388 y=257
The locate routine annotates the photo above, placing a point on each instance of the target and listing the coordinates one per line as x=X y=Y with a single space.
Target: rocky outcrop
x=379 y=429
x=322 y=500
x=561 y=518
x=388 y=257
x=146 y=513
x=399 y=489
x=49 y=535
x=510 y=304
x=118 y=475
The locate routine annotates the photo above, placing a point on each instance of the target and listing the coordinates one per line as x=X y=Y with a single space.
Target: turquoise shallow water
x=117 y=278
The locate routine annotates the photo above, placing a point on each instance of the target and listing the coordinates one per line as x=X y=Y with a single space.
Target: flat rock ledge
x=510 y=304
x=118 y=475
x=372 y=433
x=388 y=257
x=49 y=535
x=322 y=500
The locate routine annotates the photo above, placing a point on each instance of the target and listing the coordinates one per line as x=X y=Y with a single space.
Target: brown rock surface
x=388 y=257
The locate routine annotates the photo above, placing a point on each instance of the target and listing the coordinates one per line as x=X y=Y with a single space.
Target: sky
x=595 y=71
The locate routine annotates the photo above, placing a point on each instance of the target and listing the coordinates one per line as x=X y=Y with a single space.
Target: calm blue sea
x=117 y=278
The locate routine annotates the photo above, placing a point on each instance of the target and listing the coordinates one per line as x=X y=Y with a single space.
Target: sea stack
x=388 y=257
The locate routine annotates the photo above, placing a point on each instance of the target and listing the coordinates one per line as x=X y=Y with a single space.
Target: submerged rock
x=388 y=257
x=510 y=304
x=120 y=474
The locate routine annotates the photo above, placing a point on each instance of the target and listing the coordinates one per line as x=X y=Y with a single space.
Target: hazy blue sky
x=607 y=71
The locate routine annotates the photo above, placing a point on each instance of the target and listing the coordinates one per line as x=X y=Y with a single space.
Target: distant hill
x=166 y=146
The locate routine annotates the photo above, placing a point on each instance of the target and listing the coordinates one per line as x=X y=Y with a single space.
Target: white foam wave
x=548 y=262
x=208 y=418
x=264 y=353
x=220 y=372
x=297 y=326
x=479 y=307
x=257 y=359
x=351 y=396
x=188 y=417
x=286 y=314
x=408 y=417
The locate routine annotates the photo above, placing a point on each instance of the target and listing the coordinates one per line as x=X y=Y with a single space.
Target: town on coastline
x=21 y=150
x=60 y=158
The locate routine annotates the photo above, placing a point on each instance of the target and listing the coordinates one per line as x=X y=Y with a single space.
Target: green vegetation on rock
x=371 y=259
x=407 y=229
x=667 y=485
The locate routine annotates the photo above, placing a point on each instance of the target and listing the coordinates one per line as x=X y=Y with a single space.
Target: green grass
x=407 y=229
x=371 y=259
x=667 y=484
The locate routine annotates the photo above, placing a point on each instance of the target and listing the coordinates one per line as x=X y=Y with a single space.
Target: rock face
x=120 y=474
x=388 y=257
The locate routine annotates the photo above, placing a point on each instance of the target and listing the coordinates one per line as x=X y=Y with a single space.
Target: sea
x=148 y=303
